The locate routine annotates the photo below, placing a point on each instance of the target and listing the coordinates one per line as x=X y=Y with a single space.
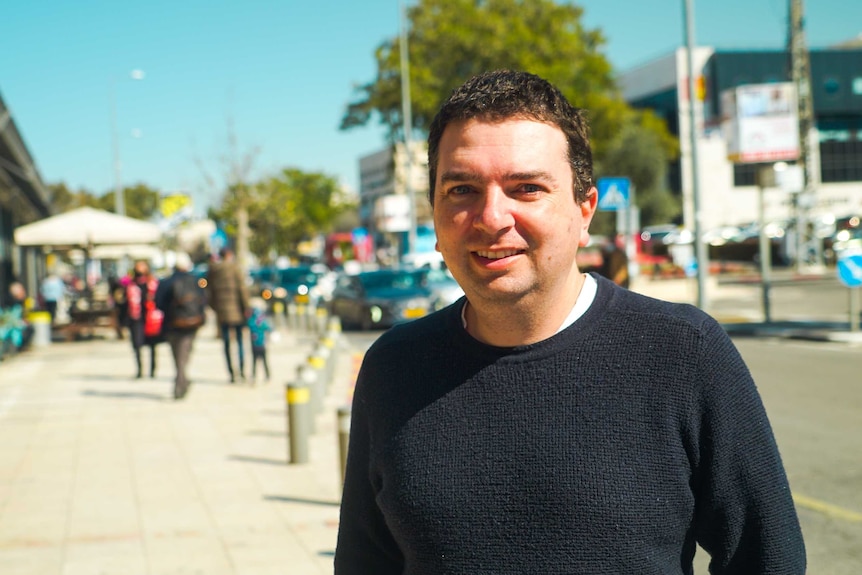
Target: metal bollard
x=343 y=437
x=293 y=317
x=333 y=326
x=310 y=378
x=328 y=343
x=278 y=315
x=299 y=418
x=317 y=366
x=320 y=315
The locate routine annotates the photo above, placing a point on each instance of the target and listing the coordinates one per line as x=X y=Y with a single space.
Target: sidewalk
x=104 y=474
x=735 y=303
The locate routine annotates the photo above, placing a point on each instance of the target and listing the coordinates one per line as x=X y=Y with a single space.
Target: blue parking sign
x=613 y=193
x=850 y=270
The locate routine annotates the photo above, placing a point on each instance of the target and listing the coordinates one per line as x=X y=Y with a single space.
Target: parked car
x=280 y=287
x=380 y=299
x=444 y=289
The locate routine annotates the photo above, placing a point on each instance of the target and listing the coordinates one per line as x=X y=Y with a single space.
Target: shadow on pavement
x=125 y=395
x=267 y=433
x=288 y=499
x=251 y=459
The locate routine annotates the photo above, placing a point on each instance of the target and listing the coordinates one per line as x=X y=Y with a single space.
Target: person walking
x=258 y=328
x=183 y=302
x=227 y=294
x=52 y=290
x=144 y=318
x=551 y=421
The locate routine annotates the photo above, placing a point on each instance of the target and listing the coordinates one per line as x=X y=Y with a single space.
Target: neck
x=530 y=320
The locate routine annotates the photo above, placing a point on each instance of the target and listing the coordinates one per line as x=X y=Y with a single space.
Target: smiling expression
x=507 y=222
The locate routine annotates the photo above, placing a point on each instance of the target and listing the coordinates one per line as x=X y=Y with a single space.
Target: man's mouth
x=497 y=254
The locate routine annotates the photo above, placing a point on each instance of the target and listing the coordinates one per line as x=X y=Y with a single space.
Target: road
x=812 y=394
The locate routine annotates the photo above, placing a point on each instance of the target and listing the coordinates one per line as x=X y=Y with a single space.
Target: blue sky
x=281 y=72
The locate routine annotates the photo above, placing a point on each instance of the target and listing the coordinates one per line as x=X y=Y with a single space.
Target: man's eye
x=530 y=188
x=459 y=190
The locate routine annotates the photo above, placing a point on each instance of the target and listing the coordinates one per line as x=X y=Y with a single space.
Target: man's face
x=505 y=213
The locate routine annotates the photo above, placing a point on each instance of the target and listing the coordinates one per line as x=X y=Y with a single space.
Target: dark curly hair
x=504 y=94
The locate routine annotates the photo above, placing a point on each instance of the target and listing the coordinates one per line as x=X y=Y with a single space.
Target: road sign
x=850 y=270
x=613 y=193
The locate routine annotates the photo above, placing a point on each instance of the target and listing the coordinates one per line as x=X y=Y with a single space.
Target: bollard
x=302 y=312
x=320 y=315
x=41 y=322
x=299 y=418
x=317 y=366
x=278 y=315
x=292 y=317
x=333 y=325
x=328 y=342
x=343 y=437
x=308 y=376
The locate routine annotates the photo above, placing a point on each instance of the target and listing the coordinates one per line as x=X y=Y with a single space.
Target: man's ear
x=588 y=210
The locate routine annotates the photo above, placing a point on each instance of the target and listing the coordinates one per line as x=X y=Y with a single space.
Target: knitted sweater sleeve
x=745 y=517
x=365 y=543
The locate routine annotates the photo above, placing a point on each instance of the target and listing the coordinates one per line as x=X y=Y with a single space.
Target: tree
x=141 y=201
x=286 y=209
x=451 y=40
x=640 y=150
x=62 y=199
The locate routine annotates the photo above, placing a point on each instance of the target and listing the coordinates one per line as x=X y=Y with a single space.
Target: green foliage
x=284 y=210
x=141 y=201
x=451 y=40
x=640 y=150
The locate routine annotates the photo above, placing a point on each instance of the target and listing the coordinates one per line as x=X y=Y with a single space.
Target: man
x=184 y=305
x=551 y=421
x=228 y=296
x=52 y=290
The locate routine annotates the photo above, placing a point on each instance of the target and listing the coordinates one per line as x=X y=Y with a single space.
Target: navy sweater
x=612 y=447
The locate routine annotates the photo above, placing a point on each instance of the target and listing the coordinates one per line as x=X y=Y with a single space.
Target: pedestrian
x=258 y=328
x=551 y=421
x=227 y=294
x=615 y=262
x=183 y=302
x=144 y=318
x=52 y=290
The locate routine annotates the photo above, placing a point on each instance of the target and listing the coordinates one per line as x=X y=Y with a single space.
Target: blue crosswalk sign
x=613 y=193
x=850 y=270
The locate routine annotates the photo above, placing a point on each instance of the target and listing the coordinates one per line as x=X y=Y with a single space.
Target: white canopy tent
x=87 y=228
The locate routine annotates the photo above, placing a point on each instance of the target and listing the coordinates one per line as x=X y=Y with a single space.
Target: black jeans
x=225 y=336
x=181 y=348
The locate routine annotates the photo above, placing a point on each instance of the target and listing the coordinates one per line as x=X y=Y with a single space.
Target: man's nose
x=494 y=212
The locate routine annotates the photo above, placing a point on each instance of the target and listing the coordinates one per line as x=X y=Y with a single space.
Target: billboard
x=760 y=123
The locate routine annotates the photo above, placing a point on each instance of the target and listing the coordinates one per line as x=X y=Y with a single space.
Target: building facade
x=384 y=194
x=728 y=190
x=23 y=199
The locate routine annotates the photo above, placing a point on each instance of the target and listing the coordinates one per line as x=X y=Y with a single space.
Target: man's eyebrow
x=467 y=176
x=459 y=176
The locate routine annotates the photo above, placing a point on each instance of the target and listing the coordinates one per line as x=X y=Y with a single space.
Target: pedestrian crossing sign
x=613 y=193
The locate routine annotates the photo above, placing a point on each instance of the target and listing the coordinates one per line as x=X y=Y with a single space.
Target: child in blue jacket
x=258 y=327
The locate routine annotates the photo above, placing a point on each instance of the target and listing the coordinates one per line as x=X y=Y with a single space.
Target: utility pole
x=800 y=75
x=407 y=120
x=701 y=255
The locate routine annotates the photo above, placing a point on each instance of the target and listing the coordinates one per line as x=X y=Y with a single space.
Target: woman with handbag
x=145 y=320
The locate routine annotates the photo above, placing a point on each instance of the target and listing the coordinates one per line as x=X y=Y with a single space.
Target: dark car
x=380 y=299
x=280 y=287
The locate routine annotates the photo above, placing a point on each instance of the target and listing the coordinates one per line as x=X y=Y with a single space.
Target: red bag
x=153 y=320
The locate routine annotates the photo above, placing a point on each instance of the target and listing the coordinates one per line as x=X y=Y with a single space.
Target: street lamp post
x=701 y=256
x=119 y=199
x=407 y=121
